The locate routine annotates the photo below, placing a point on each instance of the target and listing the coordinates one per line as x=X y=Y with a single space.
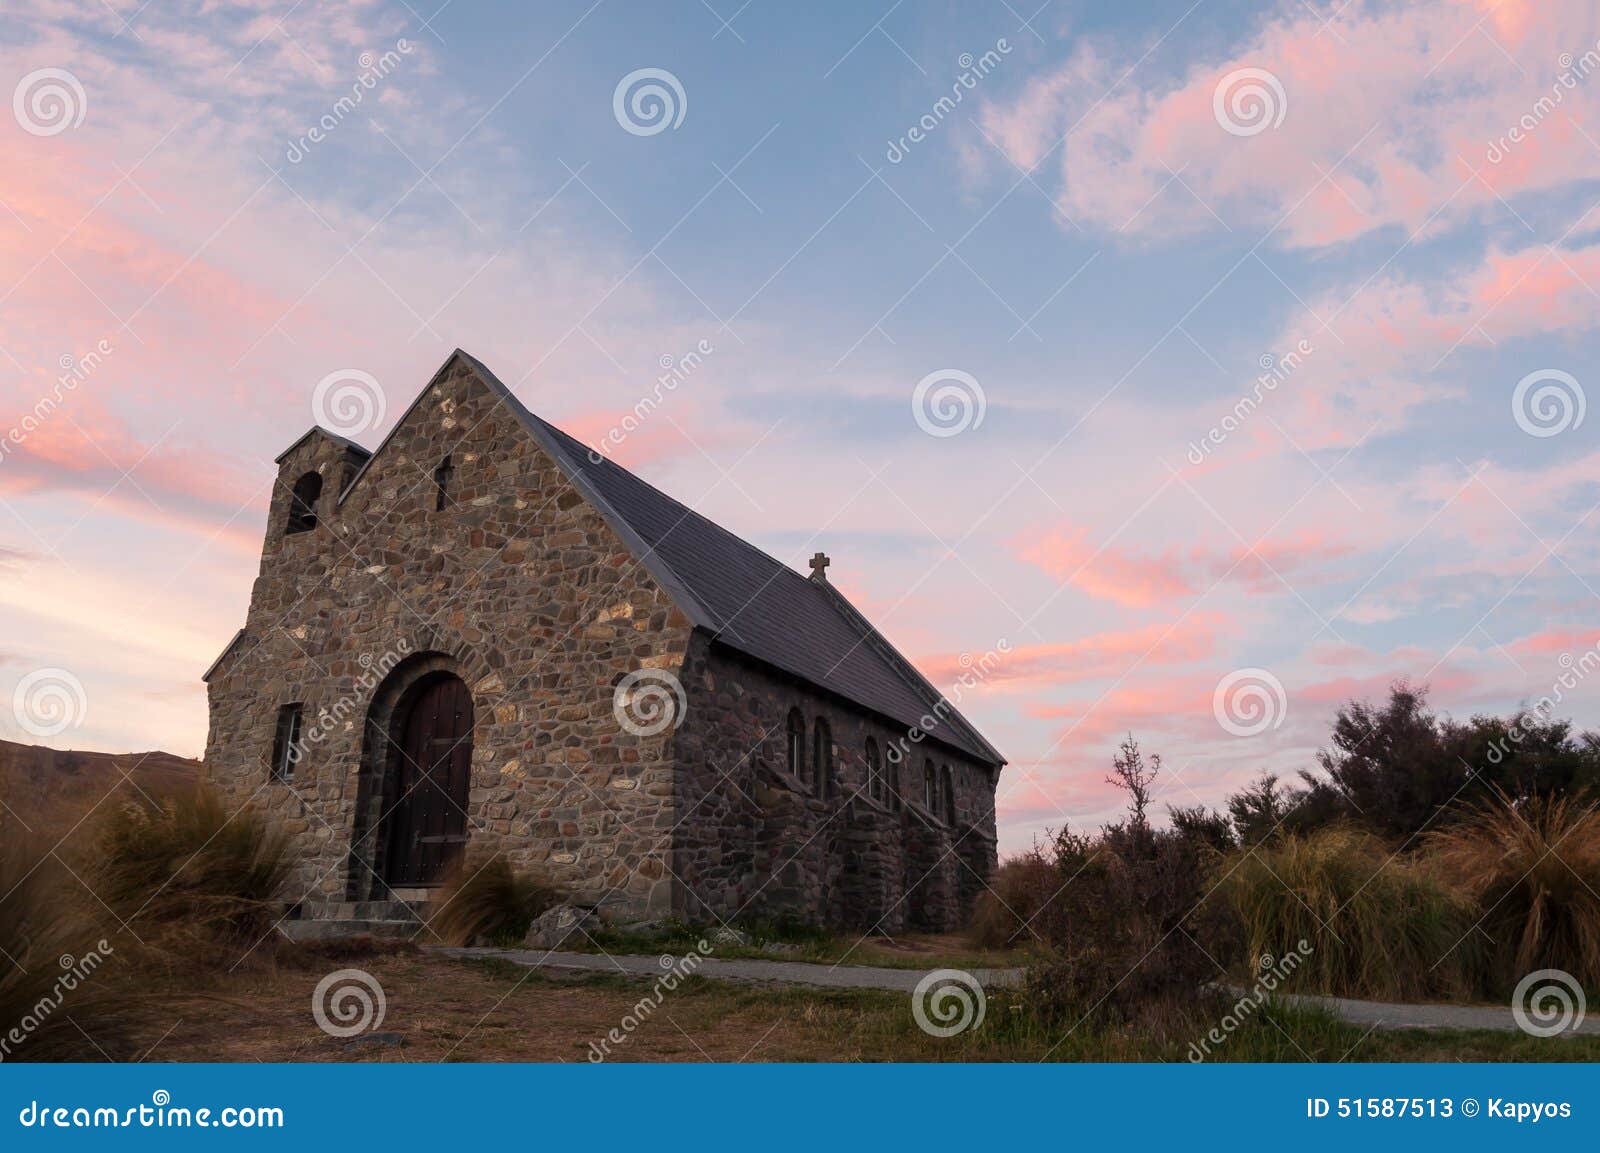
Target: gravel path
x=777 y=972
x=1370 y=1013
x=1386 y=1016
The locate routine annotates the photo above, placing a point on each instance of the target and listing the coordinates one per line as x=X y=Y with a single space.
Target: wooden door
x=428 y=822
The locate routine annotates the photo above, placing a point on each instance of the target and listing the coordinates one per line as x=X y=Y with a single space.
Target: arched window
x=892 y=773
x=442 y=476
x=822 y=757
x=797 y=744
x=303 y=504
x=930 y=787
x=949 y=795
x=874 y=771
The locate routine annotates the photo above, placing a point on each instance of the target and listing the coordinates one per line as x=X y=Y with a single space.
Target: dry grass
x=1532 y=869
x=487 y=902
x=187 y=868
x=1378 y=925
x=1006 y=911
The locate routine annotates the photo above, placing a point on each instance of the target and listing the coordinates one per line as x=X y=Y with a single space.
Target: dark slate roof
x=744 y=598
x=342 y=441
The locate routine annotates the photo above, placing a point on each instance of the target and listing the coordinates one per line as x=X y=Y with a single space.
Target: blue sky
x=1102 y=244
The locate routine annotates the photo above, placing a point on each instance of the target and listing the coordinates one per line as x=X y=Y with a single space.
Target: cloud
x=1390 y=114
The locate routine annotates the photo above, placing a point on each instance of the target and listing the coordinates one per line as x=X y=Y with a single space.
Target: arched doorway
x=429 y=775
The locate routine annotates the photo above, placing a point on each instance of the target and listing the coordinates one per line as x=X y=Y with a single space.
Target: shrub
x=1007 y=912
x=485 y=901
x=1533 y=870
x=190 y=867
x=1378 y=925
x=52 y=1007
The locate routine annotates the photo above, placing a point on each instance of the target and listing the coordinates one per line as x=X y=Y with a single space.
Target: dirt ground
x=442 y=1010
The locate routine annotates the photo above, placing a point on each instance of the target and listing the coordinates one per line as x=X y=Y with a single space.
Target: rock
x=377 y=1041
x=723 y=937
x=551 y=928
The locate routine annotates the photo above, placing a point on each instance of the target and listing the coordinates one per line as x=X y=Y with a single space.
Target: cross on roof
x=819 y=567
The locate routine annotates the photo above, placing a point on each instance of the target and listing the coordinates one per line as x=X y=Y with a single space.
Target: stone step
x=340 y=930
x=408 y=911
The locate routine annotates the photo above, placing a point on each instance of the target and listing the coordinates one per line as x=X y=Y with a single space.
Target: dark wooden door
x=428 y=822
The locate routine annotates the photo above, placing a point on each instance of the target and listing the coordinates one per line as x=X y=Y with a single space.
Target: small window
x=442 y=476
x=822 y=758
x=797 y=744
x=303 y=503
x=892 y=775
x=874 y=771
x=930 y=787
x=286 y=742
x=949 y=795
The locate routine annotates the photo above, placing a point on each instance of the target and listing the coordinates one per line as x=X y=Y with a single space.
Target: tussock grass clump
x=1377 y=924
x=487 y=902
x=191 y=866
x=1532 y=869
x=54 y=1003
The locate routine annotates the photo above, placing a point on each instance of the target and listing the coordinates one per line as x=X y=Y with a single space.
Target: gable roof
x=744 y=598
x=343 y=442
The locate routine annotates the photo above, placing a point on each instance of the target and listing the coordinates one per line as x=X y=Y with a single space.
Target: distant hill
x=49 y=791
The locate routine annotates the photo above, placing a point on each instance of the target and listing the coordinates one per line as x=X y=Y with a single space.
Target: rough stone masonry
x=485 y=637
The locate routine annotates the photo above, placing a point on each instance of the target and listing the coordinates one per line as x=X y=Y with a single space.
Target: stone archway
x=416 y=768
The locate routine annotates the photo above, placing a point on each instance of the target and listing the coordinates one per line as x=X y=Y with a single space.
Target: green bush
x=1378 y=925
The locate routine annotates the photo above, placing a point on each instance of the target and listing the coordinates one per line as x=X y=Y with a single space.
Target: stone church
x=485 y=637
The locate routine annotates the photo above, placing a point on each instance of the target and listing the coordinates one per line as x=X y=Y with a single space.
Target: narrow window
x=286 y=742
x=930 y=790
x=822 y=756
x=303 y=504
x=874 y=771
x=442 y=476
x=949 y=795
x=797 y=744
x=892 y=771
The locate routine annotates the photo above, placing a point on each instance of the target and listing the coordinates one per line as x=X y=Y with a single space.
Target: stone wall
x=758 y=841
